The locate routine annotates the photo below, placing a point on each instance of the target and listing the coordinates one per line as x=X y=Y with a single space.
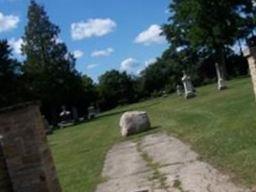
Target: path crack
x=154 y=166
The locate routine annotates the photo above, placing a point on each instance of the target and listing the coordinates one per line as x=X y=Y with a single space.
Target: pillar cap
x=19 y=106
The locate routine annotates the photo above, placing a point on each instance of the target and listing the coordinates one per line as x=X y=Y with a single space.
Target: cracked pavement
x=160 y=163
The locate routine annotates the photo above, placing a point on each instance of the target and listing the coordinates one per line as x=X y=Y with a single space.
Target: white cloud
x=58 y=40
x=78 y=54
x=15 y=44
x=128 y=64
x=150 y=36
x=92 y=28
x=146 y=64
x=150 y=62
x=138 y=72
x=8 y=22
x=91 y=66
x=102 y=53
x=134 y=66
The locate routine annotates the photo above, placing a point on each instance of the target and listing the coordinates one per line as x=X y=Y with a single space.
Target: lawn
x=220 y=126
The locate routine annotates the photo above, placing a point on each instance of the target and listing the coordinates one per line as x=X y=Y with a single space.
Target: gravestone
x=25 y=151
x=164 y=94
x=220 y=74
x=188 y=86
x=66 y=118
x=65 y=115
x=92 y=112
x=250 y=54
x=75 y=114
x=179 y=90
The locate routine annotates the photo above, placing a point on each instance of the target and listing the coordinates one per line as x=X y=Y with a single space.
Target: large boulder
x=134 y=122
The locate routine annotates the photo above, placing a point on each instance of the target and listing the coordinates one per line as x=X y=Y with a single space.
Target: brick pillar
x=5 y=182
x=250 y=54
x=27 y=155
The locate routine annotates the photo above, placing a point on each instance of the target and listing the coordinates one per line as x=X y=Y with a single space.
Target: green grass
x=220 y=126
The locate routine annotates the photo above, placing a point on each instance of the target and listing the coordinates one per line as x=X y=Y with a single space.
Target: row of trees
x=48 y=72
x=200 y=34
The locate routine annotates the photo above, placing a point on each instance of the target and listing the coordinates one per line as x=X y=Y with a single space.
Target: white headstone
x=250 y=54
x=75 y=114
x=91 y=112
x=221 y=82
x=179 y=90
x=188 y=86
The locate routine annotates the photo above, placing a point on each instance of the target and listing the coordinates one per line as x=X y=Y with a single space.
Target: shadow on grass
x=108 y=114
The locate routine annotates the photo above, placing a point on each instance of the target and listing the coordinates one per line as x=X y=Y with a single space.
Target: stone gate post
x=250 y=54
x=27 y=155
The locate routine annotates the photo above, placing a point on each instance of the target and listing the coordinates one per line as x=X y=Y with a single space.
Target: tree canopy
x=115 y=88
x=10 y=71
x=208 y=28
x=49 y=68
x=200 y=34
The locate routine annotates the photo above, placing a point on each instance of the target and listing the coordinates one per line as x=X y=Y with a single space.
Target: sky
x=102 y=34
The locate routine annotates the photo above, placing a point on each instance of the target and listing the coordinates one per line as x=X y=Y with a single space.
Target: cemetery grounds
x=220 y=126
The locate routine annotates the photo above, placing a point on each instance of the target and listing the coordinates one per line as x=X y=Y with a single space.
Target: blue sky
x=103 y=34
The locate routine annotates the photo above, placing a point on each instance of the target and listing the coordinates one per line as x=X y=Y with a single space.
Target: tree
x=90 y=94
x=209 y=27
x=165 y=74
x=90 y=90
x=157 y=76
x=9 y=77
x=115 y=88
x=49 y=68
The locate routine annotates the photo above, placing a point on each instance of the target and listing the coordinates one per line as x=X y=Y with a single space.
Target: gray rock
x=134 y=122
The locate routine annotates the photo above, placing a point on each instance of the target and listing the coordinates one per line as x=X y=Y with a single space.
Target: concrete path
x=159 y=163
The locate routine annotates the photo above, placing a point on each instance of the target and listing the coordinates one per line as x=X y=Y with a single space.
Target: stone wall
x=251 y=57
x=26 y=152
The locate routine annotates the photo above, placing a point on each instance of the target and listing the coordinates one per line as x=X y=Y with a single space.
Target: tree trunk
x=220 y=69
x=240 y=47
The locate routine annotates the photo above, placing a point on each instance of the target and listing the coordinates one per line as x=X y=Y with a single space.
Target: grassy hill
x=221 y=127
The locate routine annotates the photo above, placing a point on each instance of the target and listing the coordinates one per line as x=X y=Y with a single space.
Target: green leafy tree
x=91 y=95
x=209 y=27
x=115 y=88
x=10 y=73
x=49 y=68
x=156 y=76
